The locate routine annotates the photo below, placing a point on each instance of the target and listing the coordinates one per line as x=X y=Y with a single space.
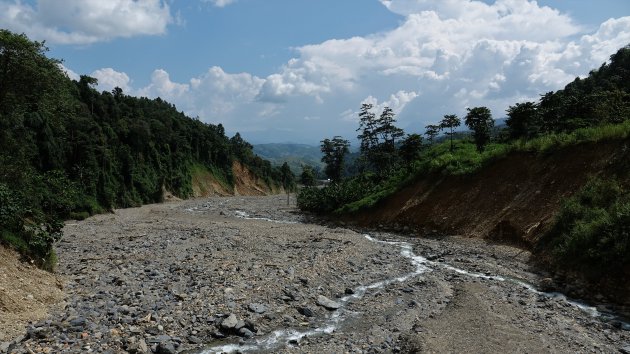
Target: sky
x=299 y=70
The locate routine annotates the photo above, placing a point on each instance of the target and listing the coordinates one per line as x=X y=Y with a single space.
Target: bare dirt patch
x=26 y=294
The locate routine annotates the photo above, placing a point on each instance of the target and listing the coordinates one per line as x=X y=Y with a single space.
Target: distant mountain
x=296 y=155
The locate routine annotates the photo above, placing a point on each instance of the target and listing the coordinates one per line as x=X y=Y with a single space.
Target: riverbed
x=251 y=274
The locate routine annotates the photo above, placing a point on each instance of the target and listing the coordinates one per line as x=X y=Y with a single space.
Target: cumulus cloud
x=87 y=21
x=109 y=78
x=69 y=73
x=443 y=57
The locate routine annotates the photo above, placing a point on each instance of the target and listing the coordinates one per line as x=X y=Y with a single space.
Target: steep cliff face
x=514 y=199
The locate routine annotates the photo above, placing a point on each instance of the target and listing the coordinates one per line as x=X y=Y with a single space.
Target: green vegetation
x=592 y=231
x=68 y=151
x=593 y=109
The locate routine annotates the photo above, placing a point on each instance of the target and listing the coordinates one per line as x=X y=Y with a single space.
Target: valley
x=251 y=274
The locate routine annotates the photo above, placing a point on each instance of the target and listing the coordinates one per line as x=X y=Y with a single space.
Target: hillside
x=513 y=199
x=68 y=151
x=296 y=155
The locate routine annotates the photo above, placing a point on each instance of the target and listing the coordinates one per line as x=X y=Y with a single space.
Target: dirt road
x=251 y=274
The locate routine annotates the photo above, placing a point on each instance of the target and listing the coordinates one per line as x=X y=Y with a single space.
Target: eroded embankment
x=513 y=200
x=206 y=183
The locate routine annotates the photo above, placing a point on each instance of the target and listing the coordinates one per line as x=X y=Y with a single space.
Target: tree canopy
x=67 y=150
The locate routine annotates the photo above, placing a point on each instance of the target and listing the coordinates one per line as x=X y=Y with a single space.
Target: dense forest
x=69 y=151
x=591 y=231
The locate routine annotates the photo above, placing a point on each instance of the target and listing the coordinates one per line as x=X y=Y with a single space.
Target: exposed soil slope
x=26 y=294
x=513 y=199
x=205 y=184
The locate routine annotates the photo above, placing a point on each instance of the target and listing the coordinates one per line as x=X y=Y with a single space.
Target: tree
x=450 y=121
x=288 y=179
x=479 y=120
x=368 y=137
x=378 y=138
x=432 y=132
x=410 y=148
x=307 y=178
x=523 y=120
x=334 y=151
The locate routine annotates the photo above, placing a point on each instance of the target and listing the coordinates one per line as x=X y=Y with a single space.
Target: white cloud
x=443 y=57
x=109 y=78
x=69 y=73
x=162 y=86
x=87 y=21
x=220 y=3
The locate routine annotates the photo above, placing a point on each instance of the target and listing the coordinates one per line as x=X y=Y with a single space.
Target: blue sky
x=298 y=70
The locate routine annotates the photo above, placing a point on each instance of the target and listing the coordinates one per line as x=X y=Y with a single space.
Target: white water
x=283 y=337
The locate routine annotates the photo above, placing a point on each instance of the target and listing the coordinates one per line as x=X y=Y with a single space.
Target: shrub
x=592 y=231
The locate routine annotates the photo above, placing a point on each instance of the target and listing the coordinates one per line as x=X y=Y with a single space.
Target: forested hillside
x=69 y=151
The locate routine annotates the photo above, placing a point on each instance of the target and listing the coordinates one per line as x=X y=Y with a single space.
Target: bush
x=336 y=195
x=592 y=231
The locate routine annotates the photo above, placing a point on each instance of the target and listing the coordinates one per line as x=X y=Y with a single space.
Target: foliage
x=307 y=178
x=479 y=120
x=432 y=132
x=592 y=231
x=410 y=148
x=288 y=178
x=378 y=139
x=69 y=151
x=450 y=122
x=335 y=195
x=334 y=152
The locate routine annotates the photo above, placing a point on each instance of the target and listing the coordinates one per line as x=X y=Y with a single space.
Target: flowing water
x=283 y=337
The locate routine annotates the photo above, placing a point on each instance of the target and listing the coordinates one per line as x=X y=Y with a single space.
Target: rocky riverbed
x=251 y=274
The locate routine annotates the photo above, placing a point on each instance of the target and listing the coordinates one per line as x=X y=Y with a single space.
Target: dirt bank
x=250 y=274
x=27 y=294
x=513 y=199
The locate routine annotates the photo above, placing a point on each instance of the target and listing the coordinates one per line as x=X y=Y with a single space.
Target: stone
x=257 y=308
x=160 y=339
x=327 y=303
x=194 y=340
x=625 y=349
x=239 y=324
x=78 y=322
x=306 y=311
x=229 y=322
x=246 y=333
x=166 y=348
x=349 y=291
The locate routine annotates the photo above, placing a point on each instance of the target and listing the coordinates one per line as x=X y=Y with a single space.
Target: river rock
x=306 y=311
x=625 y=349
x=327 y=303
x=166 y=348
x=257 y=308
x=246 y=333
x=229 y=322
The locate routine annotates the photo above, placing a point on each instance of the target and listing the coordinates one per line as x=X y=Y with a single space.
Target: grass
x=466 y=160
